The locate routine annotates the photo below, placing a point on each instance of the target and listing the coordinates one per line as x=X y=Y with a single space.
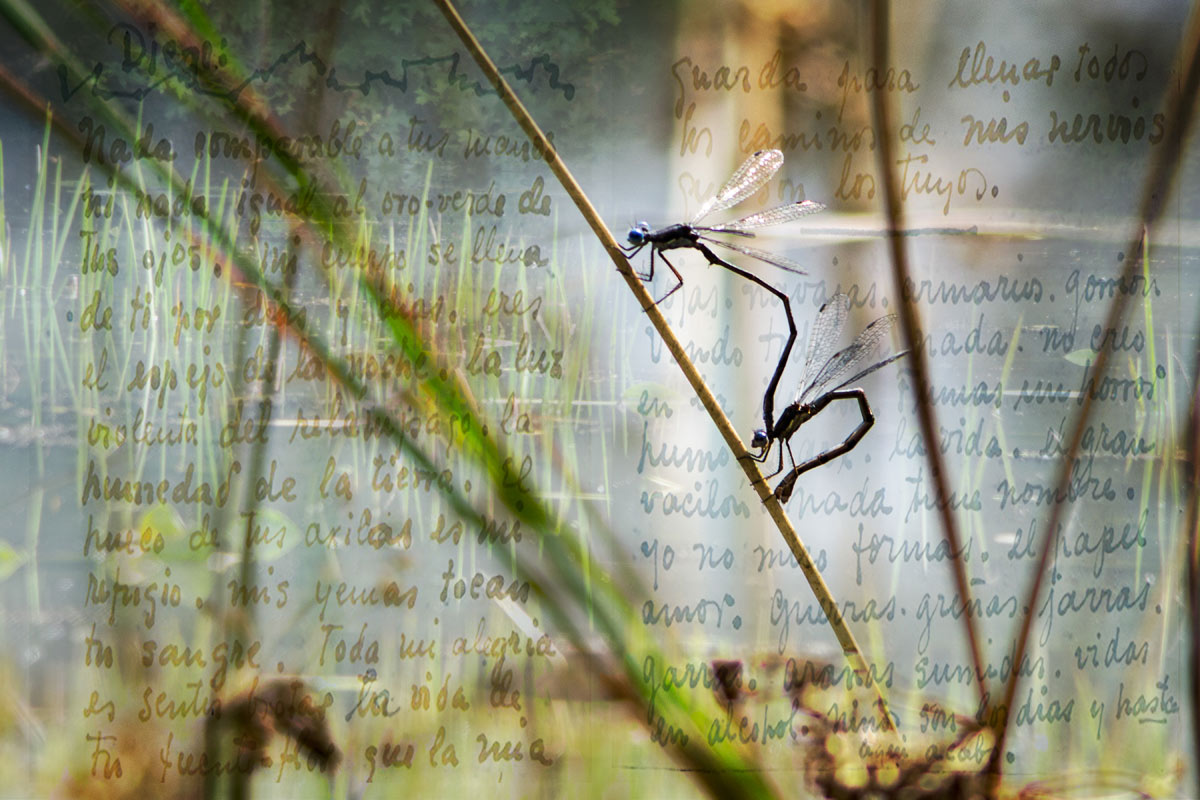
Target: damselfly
x=748 y=179
x=825 y=381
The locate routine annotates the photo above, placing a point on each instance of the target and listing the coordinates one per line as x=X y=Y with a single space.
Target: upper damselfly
x=745 y=181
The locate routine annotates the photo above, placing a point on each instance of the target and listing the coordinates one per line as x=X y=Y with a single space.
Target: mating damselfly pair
x=826 y=377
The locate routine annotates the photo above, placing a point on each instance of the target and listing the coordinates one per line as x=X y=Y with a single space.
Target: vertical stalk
x=911 y=327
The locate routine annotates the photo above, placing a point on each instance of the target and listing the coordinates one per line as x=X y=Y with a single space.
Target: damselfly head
x=637 y=234
x=760 y=439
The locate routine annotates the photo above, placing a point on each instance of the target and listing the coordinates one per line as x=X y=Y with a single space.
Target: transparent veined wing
x=745 y=181
x=861 y=358
x=762 y=255
x=826 y=333
x=772 y=216
x=869 y=370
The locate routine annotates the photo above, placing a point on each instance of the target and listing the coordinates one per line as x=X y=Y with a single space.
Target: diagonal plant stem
x=774 y=508
x=910 y=325
x=1179 y=106
x=724 y=772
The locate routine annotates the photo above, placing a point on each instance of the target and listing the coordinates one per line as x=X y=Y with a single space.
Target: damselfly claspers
x=825 y=380
x=745 y=181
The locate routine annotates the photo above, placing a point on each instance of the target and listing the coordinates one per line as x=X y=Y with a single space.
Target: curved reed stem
x=910 y=326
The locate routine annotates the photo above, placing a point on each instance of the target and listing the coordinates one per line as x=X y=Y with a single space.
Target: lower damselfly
x=825 y=380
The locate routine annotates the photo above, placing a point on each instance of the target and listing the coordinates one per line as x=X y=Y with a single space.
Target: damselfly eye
x=637 y=235
x=760 y=438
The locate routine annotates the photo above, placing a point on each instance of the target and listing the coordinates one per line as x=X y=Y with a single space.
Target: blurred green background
x=514 y=555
